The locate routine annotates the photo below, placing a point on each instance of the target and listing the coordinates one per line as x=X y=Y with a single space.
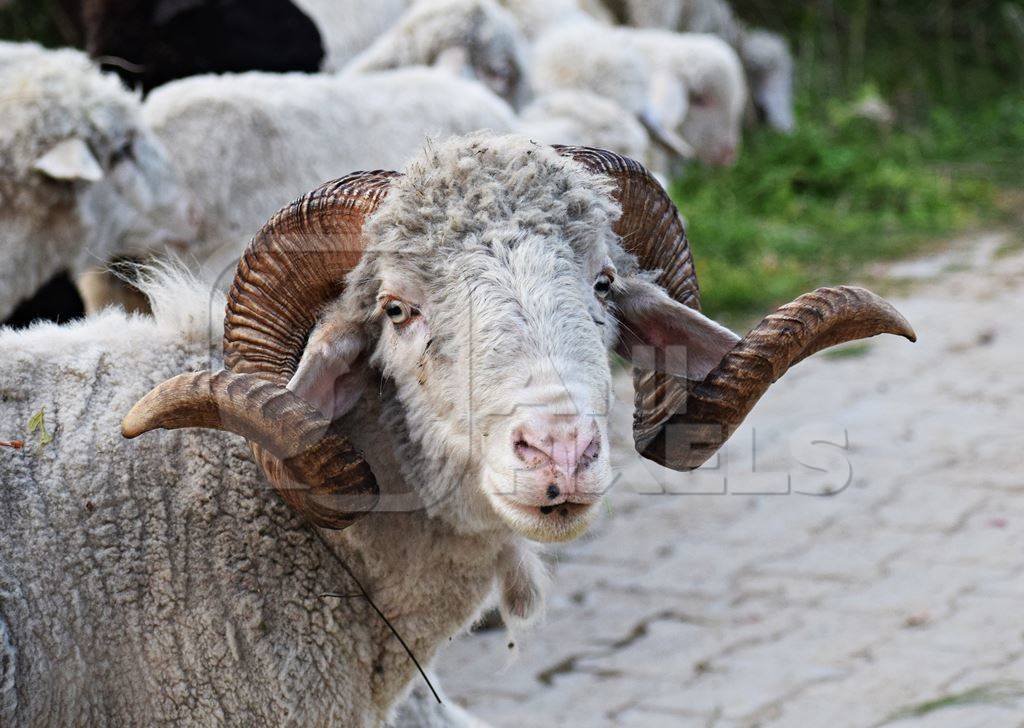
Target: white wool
x=247 y=144
x=587 y=119
x=473 y=38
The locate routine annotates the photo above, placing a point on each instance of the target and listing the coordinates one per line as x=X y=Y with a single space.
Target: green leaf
x=38 y=422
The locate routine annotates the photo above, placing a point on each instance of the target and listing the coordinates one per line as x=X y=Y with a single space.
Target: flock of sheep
x=91 y=174
x=412 y=360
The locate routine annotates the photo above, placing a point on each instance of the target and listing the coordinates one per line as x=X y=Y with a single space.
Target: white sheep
x=420 y=365
x=686 y=87
x=82 y=181
x=536 y=17
x=347 y=27
x=472 y=38
x=766 y=57
x=587 y=119
x=160 y=580
x=247 y=143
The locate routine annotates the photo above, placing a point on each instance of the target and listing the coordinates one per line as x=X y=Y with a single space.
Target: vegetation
x=849 y=187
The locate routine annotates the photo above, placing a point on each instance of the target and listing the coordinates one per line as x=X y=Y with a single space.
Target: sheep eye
x=398 y=311
x=699 y=99
x=603 y=285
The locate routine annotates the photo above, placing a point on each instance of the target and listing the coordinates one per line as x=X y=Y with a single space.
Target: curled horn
x=678 y=423
x=293 y=267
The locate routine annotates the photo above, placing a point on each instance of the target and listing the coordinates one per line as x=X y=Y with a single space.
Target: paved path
x=727 y=598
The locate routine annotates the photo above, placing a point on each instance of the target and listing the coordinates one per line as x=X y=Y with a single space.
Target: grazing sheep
x=688 y=86
x=247 y=143
x=151 y=42
x=82 y=181
x=420 y=364
x=766 y=58
x=347 y=27
x=586 y=119
x=769 y=67
x=473 y=38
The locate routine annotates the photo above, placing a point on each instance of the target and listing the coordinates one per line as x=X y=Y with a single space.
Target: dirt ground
x=854 y=558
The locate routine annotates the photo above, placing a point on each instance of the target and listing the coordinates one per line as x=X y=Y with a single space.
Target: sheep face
x=82 y=178
x=489 y=294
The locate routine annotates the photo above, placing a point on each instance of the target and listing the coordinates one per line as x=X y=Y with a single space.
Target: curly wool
x=161 y=580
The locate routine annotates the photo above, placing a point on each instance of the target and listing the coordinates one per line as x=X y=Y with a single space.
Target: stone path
x=742 y=596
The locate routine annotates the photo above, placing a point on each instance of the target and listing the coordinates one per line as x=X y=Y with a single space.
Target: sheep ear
x=660 y=334
x=70 y=160
x=331 y=375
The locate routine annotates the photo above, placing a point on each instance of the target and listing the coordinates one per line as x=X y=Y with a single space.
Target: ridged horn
x=293 y=267
x=678 y=423
x=292 y=437
x=696 y=424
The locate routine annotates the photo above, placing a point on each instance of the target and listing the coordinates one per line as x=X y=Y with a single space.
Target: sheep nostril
x=528 y=454
x=553 y=491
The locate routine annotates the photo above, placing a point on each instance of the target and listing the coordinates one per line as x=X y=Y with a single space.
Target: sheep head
x=487 y=286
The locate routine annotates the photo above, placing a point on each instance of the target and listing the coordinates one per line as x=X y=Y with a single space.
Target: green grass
x=815 y=207
x=993 y=693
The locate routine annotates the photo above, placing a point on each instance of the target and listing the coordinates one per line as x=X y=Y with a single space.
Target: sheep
x=130 y=571
x=586 y=119
x=151 y=42
x=766 y=57
x=536 y=17
x=420 y=363
x=473 y=38
x=687 y=88
x=82 y=180
x=348 y=27
x=247 y=143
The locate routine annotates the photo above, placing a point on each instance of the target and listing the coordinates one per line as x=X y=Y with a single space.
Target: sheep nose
x=567 y=444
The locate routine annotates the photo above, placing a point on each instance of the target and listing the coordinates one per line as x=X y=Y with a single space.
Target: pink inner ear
x=331 y=374
x=685 y=342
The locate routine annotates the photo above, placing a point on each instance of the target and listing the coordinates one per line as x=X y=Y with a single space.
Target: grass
x=992 y=693
x=815 y=207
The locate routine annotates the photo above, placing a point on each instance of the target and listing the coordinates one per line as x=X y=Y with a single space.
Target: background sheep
x=151 y=42
x=82 y=181
x=348 y=27
x=687 y=85
x=245 y=143
x=766 y=57
x=584 y=118
x=473 y=38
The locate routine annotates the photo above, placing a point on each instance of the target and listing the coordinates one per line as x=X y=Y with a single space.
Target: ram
x=472 y=38
x=419 y=362
x=82 y=180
